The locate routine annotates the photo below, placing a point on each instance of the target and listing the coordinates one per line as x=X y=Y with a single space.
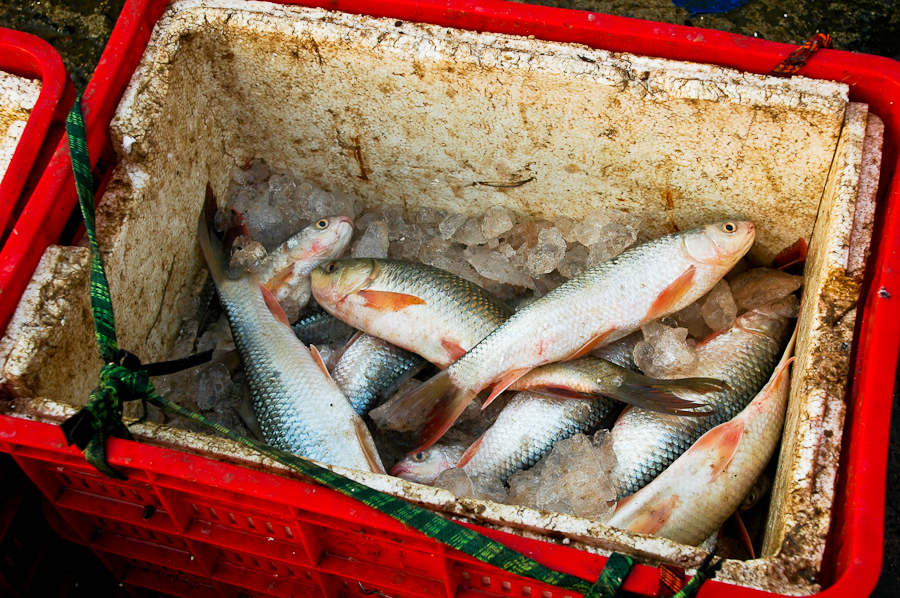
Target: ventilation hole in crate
x=288 y=532
x=486 y=581
x=250 y=523
x=466 y=575
x=505 y=586
x=213 y=514
x=102 y=522
x=526 y=592
x=66 y=479
x=290 y=572
x=232 y=519
x=546 y=594
x=121 y=492
x=151 y=534
x=255 y=562
x=270 y=529
x=84 y=483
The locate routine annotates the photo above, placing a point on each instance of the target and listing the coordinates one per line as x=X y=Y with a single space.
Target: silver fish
x=602 y=304
x=645 y=443
x=591 y=376
x=524 y=432
x=422 y=309
x=703 y=487
x=298 y=406
x=370 y=369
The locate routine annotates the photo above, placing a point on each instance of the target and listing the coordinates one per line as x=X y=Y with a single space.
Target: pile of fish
x=687 y=438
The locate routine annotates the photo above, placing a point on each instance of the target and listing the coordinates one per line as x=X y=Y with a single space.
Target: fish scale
x=370 y=369
x=527 y=429
x=645 y=443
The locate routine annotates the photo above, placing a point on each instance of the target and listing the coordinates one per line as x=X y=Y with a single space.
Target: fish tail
x=440 y=398
x=212 y=247
x=666 y=396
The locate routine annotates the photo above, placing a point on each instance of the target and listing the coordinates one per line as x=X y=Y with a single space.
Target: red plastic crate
x=27 y=56
x=219 y=514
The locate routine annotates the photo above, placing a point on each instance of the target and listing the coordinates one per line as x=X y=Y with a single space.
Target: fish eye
x=729 y=227
x=419 y=457
x=322 y=224
x=331 y=267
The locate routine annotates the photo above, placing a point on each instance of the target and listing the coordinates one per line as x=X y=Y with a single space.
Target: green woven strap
x=706 y=570
x=612 y=577
x=101 y=304
x=123 y=379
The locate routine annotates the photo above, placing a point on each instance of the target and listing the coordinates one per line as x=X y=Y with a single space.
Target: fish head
x=425 y=466
x=721 y=243
x=333 y=281
x=324 y=239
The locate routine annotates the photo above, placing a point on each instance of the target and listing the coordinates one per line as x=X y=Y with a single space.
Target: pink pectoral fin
x=507 y=380
x=387 y=301
x=597 y=341
x=470 y=452
x=453 y=349
x=274 y=306
x=722 y=443
x=668 y=300
x=652 y=520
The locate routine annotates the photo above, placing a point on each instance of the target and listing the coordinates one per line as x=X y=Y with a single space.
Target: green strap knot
x=102 y=416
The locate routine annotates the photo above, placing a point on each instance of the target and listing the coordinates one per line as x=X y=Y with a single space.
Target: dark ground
x=78 y=29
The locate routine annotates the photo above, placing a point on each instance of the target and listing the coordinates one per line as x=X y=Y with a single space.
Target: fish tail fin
x=212 y=247
x=440 y=398
x=666 y=396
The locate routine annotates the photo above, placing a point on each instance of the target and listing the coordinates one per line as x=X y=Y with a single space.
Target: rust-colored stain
x=358 y=154
x=669 y=199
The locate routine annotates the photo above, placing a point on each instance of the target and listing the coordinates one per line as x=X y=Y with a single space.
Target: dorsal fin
x=317 y=357
x=367 y=444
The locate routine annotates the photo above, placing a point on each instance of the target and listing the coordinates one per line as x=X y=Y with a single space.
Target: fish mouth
x=399 y=469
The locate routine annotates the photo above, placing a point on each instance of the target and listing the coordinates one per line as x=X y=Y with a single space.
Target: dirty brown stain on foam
x=840 y=295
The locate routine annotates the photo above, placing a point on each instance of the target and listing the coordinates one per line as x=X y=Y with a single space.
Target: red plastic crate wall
x=186 y=539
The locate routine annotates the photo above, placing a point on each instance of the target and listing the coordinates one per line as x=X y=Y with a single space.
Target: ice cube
x=451 y=224
x=494 y=266
x=718 y=307
x=574 y=262
x=256 y=172
x=470 y=233
x=691 y=317
x=665 y=352
x=374 y=242
x=496 y=221
x=548 y=253
x=760 y=286
x=213 y=387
